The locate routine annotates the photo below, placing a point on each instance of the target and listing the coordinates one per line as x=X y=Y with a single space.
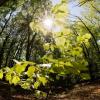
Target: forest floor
x=83 y=91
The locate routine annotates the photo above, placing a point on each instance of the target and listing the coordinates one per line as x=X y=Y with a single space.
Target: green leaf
x=8 y=76
x=25 y=85
x=1 y=74
x=46 y=46
x=75 y=53
x=60 y=10
x=31 y=71
x=80 y=66
x=60 y=41
x=87 y=36
x=68 y=64
x=36 y=84
x=44 y=94
x=85 y=76
x=20 y=68
x=43 y=80
x=15 y=80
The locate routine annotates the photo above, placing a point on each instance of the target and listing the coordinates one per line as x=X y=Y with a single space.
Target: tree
x=16 y=28
x=90 y=23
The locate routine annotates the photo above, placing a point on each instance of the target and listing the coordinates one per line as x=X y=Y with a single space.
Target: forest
x=49 y=50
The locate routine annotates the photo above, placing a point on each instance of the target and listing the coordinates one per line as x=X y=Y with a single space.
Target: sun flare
x=48 y=23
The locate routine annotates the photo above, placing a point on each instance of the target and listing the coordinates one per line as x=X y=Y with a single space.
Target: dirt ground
x=83 y=91
x=89 y=91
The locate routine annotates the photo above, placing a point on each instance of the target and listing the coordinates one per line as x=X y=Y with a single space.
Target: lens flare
x=48 y=23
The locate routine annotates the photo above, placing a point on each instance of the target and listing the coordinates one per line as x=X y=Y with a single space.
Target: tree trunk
x=2 y=50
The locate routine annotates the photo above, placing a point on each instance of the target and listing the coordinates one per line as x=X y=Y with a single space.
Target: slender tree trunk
x=9 y=51
x=2 y=50
x=29 y=46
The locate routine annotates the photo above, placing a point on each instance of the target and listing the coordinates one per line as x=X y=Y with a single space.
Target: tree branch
x=6 y=23
x=96 y=9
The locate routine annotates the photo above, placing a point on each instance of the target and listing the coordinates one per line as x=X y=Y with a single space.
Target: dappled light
x=48 y=51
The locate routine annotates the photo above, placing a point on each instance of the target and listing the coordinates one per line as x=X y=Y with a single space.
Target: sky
x=75 y=10
x=55 y=1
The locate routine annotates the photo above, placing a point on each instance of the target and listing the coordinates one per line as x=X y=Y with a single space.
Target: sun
x=48 y=23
